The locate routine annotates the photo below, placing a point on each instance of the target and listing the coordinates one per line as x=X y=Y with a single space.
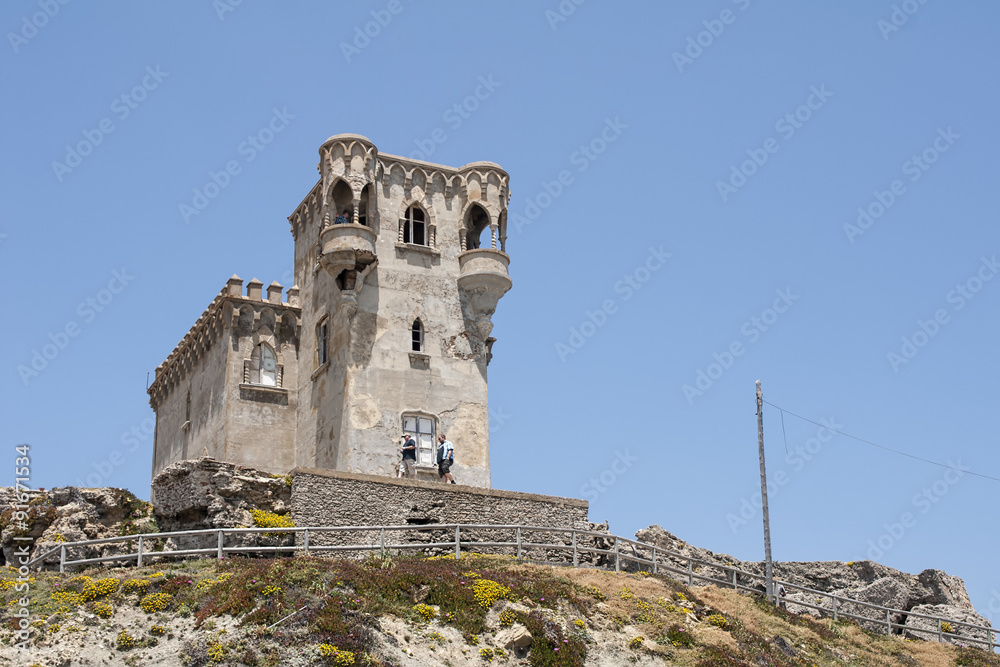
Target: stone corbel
x=349 y=297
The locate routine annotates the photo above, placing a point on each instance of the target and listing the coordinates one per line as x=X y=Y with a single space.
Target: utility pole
x=768 y=572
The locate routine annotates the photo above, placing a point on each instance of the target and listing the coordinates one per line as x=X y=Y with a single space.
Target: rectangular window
x=323 y=341
x=422 y=429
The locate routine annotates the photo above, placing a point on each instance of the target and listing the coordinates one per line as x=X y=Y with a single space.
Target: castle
x=399 y=265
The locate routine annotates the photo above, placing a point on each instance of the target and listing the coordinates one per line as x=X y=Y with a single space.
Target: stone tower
x=399 y=265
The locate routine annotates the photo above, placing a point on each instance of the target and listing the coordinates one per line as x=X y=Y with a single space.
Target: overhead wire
x=875 y=444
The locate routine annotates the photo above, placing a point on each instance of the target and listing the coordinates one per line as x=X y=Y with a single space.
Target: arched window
x=365 y=205
x=268 y=366
x=477 y=220
x=263 y=367
x=343 y=207
x=417 y=336
x=415 y=226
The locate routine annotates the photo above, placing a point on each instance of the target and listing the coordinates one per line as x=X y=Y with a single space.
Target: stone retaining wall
x=334 y=498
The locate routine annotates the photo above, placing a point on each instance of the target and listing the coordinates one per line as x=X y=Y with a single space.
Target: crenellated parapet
x=259 y=313
x=350 y=166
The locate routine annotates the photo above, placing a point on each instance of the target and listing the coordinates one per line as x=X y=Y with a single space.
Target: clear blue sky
x=742 y=158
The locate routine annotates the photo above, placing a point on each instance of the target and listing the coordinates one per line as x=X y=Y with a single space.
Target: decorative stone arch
x=267 y=321
x=466 y=230
x=429 y=218
x=245 y=317
x=339 y=195
x=418 y=177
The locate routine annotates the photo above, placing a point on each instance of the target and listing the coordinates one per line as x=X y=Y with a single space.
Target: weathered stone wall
x=230 y=417
x=205 y=435
x=333 y=498
x=260 y=420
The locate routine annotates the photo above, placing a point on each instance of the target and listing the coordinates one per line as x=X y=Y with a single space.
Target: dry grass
x=602 y=613
x=816 y=641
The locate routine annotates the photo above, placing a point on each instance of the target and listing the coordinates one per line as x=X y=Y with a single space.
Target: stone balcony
x=347 y=247
x=483 y=280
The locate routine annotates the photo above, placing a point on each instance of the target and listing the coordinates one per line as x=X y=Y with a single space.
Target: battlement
x=354 y=161
x=207 y=330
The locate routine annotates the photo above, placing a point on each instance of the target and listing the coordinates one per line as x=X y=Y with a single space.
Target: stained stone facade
x=399 y=265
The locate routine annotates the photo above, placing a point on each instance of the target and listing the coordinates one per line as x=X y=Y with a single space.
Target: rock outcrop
x=69 y=514
x=864 y=581
x=205 y=493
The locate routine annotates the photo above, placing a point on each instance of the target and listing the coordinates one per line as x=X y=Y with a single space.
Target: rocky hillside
x=932 y=592
x=418 y=611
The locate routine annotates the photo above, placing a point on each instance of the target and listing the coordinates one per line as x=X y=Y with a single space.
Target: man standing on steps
x=445 y=458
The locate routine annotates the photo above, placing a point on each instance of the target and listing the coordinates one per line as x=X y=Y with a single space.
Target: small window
x=323 y=341
x=422 y=428
x=415 y=226
x=418 y=336
x=263 y=366
x=268 y=366
x=187 y=408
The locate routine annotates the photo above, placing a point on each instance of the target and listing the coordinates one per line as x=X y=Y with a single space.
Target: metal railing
x=658 y=561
